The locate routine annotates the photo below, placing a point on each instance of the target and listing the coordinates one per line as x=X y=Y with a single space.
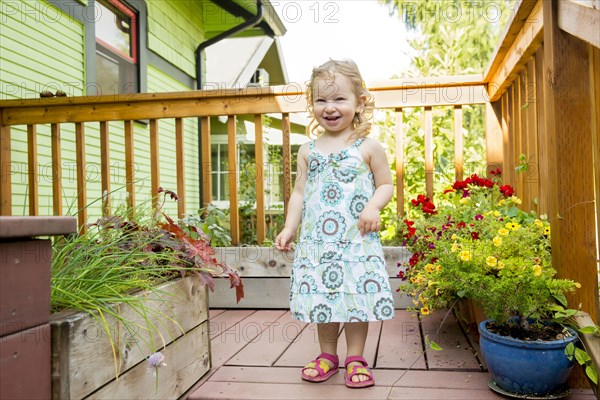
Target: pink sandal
x=324 y=370
x=358 y=370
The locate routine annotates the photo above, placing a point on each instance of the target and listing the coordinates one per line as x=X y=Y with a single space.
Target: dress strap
x=358 y=141
x=312 y=144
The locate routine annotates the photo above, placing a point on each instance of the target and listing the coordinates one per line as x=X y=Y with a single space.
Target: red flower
x=507 y=190
x=497 y=171
x=475 y=235
x=461 y=225
x=414 y=259
x=428 y=208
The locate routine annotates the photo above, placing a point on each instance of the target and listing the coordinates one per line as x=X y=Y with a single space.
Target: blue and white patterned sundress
x=338 y=275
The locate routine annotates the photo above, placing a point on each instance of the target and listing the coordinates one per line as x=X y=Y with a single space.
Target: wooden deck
x=257 y=354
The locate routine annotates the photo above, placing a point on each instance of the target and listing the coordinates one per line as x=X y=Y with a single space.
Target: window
x=116 y=48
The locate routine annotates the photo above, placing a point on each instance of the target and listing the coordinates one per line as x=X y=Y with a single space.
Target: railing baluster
x=180 y=160
x=81 y=178
x=56 y=170
x=233 y=190
x=509 y=172
x=32 y=163
x=129 y=163
x=287 y=161
x=505 y=137
x=105 y=167
x=532 y=144
x=458 y=143
x=524 y=132
x=399 y=128
x=5 y=171
x=541 y=127
x=205 y=168
x=260 y=179
x=428 y=152
x=154 y=162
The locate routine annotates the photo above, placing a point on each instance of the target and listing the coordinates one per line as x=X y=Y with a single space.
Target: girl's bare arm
x=376 y=158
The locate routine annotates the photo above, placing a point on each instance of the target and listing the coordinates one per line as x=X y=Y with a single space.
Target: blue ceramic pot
x=526 y=367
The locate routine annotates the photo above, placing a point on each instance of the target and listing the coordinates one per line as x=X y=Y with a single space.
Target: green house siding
x=175 y=30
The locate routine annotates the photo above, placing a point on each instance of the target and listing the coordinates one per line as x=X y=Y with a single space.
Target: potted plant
x=132 y=287
x=477 y=244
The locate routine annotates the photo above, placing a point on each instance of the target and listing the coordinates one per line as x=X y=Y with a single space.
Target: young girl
x=343 y=182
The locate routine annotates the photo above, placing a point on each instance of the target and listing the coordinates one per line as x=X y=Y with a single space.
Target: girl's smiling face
x=335 y=104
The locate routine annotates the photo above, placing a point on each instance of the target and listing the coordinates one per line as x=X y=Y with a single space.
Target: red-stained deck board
x=400 y=345
x=230 y=341
x=457 y=353
x=273 y=341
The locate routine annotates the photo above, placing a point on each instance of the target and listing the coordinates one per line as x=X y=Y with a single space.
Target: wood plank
x=213 y=312
x=383 y=377
x=595 y=107
x=509 y=173
x=206 y=162
x=32 y=163
x=261 y=227
x=459 y=143
x=285 y=99
x=400 y=345
x=429 y=167
x=533 y=174
x=286 y=149
x=56 y=170
x=224 y=321
x=370 y=345
x=272 y=340
x=541 y=125
x=130 y=163
x=523 y=133
x=82 y=354
x=525 y=44
x=517 y=135
x=457 y=353
x=505 y=138
x=187 y=360
x=580 y=21
x=519 y=16
x=234 y=216
x=235 y=338
x=571 y=207
x=105 y=167
x=154 y=162
x=81 y=177
x=180 y=160
x=399 y=155
x=494 y=136
x=258 y=293
x=6 y=170
x=304 y=348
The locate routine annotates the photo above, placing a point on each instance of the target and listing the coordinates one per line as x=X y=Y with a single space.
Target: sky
x=361 y=30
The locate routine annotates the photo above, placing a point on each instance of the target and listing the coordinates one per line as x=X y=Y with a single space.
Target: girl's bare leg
x=328 y=338
x=356 y=336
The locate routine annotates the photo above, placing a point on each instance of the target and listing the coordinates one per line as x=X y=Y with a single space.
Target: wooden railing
x=81 y=111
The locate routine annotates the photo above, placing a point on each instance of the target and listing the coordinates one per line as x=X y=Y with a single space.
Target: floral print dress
x=338 y=275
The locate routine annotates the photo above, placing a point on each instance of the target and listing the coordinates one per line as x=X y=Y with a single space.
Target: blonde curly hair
x=348 y=68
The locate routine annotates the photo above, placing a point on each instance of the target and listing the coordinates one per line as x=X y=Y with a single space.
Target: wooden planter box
x=266 y=274
x=83 y=365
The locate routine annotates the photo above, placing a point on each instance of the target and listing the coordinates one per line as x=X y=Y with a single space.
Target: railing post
x=287 y=162
x=56 y=170
x=260 y=179
x=32 y=165
x=429 y=166
x=180 y=160
x=399 y=128
x=493 y=136
x=5 y=171
x=154 y=161
x=205 y=168
x=81 y=176
x=458 y=144
x=234 y=217
x=105 y=167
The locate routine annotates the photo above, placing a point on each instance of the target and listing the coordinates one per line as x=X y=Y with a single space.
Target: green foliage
x=478 y=245
x=211 y=221
x=446 y=38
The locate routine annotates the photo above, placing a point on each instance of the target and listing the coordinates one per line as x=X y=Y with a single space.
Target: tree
x=446 y=37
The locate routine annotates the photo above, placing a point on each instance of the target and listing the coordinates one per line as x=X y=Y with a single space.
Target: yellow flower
x=546 y=230
x=577 y=285
x=503 y=231
x=465 y=255
x=412 y=279
x=537 y=270
x=497 y=213
x=438 y=267
x=425 y=310
x=500 y=203
x=515 y=199
x=454 y=237
x=491 y=261
x=500 y=265
x=454 y=248
x=464 y=200
x=513 y=226
x=431 y=283
x=429 y=268
x=539 y=223
x=497 y=240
